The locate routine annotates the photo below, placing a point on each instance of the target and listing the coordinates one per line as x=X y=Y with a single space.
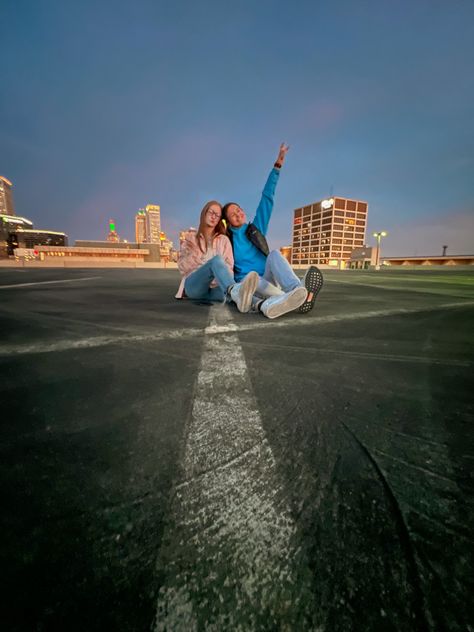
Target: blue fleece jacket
x=248 y=257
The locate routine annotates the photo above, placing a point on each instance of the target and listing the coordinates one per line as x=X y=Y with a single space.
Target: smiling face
x=235 y=215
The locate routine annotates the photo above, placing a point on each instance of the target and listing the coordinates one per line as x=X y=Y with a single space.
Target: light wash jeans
x=278 y=277
x=197 y=283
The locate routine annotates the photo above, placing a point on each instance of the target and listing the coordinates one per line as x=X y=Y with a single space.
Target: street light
x=379 y=236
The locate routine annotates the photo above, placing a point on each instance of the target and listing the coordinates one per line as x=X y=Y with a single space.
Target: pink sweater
x=191 y=257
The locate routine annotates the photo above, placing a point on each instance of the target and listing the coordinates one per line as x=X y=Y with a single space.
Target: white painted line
x=15 y=285
x=255 y=322
x=231 y=559
x=400 y=288
x=96 y=341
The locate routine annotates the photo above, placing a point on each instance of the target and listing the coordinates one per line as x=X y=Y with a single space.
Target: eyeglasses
x=214 y=213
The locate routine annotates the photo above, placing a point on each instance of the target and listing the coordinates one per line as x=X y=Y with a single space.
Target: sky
x=108 y=106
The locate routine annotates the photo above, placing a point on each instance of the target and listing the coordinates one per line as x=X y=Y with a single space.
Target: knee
x=216 y=261
x=274 y=254
x=190 y=292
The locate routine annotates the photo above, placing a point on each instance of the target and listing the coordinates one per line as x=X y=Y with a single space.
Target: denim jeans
x=278 y=277
x=197 y=283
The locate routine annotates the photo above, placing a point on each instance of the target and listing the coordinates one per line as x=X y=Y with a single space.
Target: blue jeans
x=197 y=283
x=278 y=277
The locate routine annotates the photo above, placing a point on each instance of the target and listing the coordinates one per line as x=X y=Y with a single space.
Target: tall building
x=112 y=235
x=6 y=197
x=327 y=231
x=153 y=223
x=148 y=225
x=140 y=227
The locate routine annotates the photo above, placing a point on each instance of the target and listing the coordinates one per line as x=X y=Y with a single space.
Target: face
x=213 y=215
x=235 y=216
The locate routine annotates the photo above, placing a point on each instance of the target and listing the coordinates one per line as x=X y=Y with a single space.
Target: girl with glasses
x=206 y=263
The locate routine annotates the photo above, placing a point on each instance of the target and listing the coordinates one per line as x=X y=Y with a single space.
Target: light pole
x=378 y=236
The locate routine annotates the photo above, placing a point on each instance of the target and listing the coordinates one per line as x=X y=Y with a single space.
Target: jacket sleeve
x=190 y=257
x=265 y=208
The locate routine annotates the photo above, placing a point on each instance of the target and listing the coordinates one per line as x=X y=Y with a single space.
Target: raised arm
x=281 y=156
x=265 y=208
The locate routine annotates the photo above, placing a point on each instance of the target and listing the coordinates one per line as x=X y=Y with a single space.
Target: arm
x=265 y=208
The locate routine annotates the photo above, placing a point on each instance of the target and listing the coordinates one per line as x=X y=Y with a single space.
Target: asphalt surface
x=365 y=411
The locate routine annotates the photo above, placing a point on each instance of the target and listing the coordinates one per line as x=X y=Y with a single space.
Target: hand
x=282 y=153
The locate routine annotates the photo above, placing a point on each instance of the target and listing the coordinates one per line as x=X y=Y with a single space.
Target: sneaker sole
x=294 y=300
x=247 y=290
x=313 y=284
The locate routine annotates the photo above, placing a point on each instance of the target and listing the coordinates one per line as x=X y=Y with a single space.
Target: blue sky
x=107 y=106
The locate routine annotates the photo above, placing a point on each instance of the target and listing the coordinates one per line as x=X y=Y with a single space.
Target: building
x=153 y=223
x=112 y=235
x=286 y=252
x=430 y=260
x=18 y=232
x=140 y=227
x=122 y=250
x=363 y=258
x=166 y=247
x=326 y=232
x=148 y=225
x=6 y=197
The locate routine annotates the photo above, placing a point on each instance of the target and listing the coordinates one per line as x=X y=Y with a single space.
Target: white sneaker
x=278 y=305
x=241 y=293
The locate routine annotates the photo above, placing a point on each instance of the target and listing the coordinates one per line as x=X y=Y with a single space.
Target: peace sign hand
x=282 y=153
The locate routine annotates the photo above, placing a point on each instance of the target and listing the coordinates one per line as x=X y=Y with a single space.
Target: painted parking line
x=255 y=322
x=16 y=285
x=379 y=285
x=231 y=558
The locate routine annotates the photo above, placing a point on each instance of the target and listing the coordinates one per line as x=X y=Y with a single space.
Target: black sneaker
x=313 y=282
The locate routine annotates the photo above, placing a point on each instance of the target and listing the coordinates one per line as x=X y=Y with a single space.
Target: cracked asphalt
x=365 y=403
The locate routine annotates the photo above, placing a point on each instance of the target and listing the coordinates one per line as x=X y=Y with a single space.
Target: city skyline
x=363 y=94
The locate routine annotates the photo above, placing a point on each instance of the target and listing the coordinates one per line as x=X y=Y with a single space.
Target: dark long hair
x=225 y=208
x=218 y=230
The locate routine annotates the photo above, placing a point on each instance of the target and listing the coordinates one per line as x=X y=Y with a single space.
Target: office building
x=6 y=197
x=326 y=232
x=148 y=225
x=140 y=227
x=153 y=223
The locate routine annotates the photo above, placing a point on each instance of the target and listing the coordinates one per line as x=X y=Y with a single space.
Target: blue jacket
x=248 y=257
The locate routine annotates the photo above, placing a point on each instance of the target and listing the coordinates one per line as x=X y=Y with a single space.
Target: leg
x=278 y=272
x=313 y=282
x=265 y=289
x=197 y=283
